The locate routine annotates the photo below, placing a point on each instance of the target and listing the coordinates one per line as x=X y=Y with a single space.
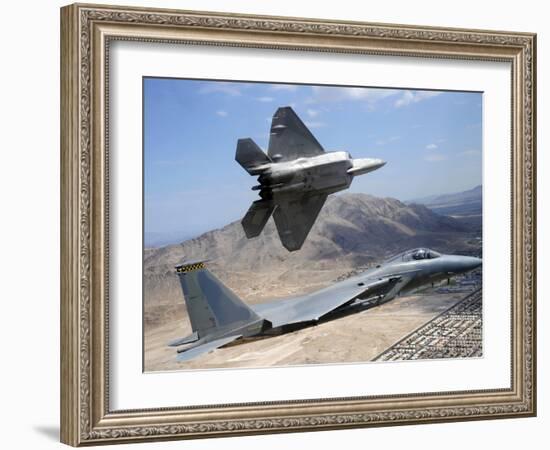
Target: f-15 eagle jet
x=295 y=178
x=219 y=317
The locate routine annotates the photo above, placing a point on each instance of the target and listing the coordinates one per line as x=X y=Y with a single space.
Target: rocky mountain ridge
x=352 y=230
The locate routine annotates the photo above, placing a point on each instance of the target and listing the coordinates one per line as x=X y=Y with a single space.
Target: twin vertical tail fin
x=210 y=304
x=256 y=217
x=250 y=156
x=252 y=159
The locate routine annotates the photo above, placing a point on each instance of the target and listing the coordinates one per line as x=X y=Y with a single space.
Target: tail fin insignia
x=190 y=267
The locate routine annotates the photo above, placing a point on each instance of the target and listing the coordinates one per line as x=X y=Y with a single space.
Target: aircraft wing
x=311 y=307
x=201 y=349
x=290 y=138
x=295 y=217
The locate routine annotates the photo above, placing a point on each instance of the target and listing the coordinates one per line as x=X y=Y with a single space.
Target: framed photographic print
x=276 y=224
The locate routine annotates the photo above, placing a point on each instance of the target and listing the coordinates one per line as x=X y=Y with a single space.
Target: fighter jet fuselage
x=219 y=317
x=324 y=174
x=414 y=269
x=294 y=178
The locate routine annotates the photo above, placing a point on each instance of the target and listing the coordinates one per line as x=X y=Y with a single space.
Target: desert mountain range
x=352 y=230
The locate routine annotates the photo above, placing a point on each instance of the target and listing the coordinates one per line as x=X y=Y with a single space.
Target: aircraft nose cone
x=365 y=165
x=376 y=163
x=381 y=163
x=468 y=263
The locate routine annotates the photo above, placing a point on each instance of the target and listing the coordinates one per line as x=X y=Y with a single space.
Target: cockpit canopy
x=417 y=254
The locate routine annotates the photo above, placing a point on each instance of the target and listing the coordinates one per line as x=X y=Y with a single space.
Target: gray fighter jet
x=295 y=178
x=219 y=317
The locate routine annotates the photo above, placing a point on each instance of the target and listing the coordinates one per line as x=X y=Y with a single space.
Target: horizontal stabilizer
x=250 y=156
x=257 y=216
x=184 y=340
x=193 y=352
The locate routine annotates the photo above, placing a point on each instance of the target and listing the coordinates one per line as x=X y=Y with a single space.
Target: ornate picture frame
x=87 y=31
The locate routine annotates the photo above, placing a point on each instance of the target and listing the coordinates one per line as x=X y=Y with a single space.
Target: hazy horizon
x=156 y=239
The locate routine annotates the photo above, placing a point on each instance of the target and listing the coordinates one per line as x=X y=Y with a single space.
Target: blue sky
x=431 y=141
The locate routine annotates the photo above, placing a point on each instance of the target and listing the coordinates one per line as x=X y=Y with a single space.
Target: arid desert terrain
x=352 y=233
x=356 y=337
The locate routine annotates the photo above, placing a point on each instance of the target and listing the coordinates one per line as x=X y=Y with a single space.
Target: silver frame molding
x=86 y=31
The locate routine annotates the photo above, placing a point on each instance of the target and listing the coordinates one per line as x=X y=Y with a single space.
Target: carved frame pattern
x=86 y=33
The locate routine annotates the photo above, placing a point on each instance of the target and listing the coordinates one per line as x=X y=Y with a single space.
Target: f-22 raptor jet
x=295 y=178
x=219 y=317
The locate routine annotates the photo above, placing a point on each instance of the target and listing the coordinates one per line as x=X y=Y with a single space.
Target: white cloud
x=435 y=157
x=284 y=87
x=337 y=94
x=387 y=140
x=470 y=152
x=370 y=96
x=265 y=99
x=220 y=87
x=222 y=113
x=312 y=112
x=431 y=146
x=315 y=124
x=408 y=97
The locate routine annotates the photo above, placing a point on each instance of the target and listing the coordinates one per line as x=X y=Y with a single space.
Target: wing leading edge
x=314 y=306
